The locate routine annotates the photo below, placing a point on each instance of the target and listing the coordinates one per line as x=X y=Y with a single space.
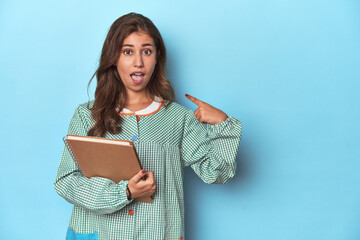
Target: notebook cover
x=112 y=161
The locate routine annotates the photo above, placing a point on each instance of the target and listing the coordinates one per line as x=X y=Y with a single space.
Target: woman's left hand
x=207 y=113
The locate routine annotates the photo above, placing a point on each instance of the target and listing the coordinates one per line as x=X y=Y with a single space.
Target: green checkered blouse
x=166 y=141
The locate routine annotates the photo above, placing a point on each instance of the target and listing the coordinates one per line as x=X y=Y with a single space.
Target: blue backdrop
x=289 y=70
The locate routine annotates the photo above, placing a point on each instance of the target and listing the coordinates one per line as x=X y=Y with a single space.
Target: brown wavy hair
x=110 y=94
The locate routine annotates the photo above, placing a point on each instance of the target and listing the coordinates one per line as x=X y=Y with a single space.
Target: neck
x=138 y=100
x=138 y=97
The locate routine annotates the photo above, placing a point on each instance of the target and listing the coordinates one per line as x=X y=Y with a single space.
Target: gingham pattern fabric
x=166 y=141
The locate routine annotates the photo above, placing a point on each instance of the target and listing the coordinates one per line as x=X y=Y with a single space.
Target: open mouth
x=137 y=77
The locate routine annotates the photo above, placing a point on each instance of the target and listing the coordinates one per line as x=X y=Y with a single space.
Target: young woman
x=134 y=101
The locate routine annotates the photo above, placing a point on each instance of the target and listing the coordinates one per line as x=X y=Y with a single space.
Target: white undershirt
x=149 y=109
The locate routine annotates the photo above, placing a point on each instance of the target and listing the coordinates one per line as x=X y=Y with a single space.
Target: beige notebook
x=102 y=157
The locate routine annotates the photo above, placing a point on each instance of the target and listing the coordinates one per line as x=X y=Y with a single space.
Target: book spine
x=73 y=155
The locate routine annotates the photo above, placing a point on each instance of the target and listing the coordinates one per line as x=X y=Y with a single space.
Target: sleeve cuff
x=122 y=185
x=231 y=124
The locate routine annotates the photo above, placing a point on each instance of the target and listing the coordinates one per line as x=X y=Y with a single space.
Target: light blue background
x=289 y=70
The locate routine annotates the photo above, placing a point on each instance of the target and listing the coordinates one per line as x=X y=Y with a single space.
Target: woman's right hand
x=142 y=184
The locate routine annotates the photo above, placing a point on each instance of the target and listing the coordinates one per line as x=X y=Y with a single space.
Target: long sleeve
x=211 y=150
x=99 y=195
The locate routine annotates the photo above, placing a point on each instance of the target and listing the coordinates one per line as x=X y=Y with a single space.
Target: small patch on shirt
x=71 y=235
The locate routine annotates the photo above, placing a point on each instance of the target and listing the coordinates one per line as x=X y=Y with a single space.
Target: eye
x=127 y=52
x=147 y=52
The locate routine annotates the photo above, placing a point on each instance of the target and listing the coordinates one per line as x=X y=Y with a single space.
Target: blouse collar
x=152 y=108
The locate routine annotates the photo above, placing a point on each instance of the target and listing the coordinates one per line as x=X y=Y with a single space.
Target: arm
x=99 y=195
x=211 y=152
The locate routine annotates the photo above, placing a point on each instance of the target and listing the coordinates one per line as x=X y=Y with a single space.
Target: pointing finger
x=193 y=99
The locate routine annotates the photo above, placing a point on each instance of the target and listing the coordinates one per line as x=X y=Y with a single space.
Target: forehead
x=139 y=38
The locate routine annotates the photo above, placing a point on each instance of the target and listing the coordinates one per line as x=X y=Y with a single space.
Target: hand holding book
x=142 y=184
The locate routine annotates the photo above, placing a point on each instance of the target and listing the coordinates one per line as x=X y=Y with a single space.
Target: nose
x=139 y=61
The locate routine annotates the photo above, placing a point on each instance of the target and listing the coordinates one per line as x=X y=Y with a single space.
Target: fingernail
x=186 y=95
x=143 y=171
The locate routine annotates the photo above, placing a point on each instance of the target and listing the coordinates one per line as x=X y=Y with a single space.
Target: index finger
x=193 y=99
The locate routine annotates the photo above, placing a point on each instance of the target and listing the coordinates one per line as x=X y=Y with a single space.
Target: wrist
x=221 y=118
x=225 y=116
x=128 y=193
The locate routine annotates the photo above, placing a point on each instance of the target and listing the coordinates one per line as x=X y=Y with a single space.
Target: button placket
x=136 y=134
x=135 y=128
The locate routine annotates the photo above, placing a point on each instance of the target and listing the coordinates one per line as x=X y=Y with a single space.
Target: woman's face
x=137 y=61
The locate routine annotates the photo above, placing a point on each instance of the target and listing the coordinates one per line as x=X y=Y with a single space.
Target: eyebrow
x=144 y=45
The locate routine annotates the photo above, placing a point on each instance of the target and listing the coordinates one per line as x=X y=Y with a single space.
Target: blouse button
x=134 y=138
x=131 y=212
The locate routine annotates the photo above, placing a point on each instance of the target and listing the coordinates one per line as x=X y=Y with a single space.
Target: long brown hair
x=110 y=94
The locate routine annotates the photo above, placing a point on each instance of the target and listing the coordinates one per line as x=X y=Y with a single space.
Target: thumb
x=137 y=177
